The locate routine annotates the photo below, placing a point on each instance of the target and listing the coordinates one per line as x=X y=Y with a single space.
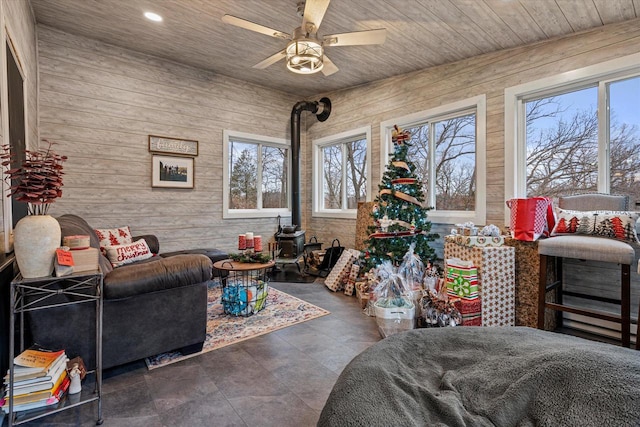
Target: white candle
x=249 y=239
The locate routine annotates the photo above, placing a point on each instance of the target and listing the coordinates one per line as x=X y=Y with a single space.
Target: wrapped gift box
x=471 y=311
x=496 y=279
x=350 y=286
x=363 y=296
x=527 y=276
x=339 y=274
x=476 y=241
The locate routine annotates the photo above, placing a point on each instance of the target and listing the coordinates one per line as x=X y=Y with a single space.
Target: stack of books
x=39 y=379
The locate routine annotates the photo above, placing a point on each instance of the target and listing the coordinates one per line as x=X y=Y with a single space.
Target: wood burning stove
x=291 y=244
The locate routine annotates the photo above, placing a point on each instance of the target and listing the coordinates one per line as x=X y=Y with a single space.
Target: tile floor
x=279 y=379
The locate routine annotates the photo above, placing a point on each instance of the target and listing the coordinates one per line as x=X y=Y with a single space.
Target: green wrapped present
x=462 y=279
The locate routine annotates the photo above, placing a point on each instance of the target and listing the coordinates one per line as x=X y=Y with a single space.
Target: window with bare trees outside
x=447 y=148
x=341 y=173
x=454 y=160
x=256 y=175
x=582 y=135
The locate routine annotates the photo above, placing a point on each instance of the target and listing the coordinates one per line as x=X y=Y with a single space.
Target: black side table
x=42 y=293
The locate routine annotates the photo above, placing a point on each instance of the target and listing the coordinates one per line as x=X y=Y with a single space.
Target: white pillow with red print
x=620 y=225
x=113 y=236
x=125 y=254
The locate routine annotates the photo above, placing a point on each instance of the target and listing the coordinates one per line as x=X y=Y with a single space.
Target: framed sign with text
x=163 y=144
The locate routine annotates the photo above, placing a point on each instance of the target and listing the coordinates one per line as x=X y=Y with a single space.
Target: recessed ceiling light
x=153 y=16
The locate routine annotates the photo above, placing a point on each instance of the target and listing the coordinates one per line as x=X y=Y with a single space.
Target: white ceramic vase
x=35 y=240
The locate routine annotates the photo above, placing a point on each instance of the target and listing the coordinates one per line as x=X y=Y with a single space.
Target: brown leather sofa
x=150 y=306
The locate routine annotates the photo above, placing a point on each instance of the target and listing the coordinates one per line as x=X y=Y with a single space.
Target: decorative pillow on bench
x=620 y=225
x=125 y=254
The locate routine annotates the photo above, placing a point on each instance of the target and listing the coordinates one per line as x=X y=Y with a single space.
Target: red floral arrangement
x=38 y=180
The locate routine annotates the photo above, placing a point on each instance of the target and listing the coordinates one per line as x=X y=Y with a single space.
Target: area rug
x=282 y=310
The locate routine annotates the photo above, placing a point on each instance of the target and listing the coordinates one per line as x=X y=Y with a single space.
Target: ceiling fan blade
x=271 y=60
x=252 y=26
x=329 y=67
x=314 y=11
x=356 y=38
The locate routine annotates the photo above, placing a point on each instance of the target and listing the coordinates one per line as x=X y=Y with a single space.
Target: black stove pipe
x=321 y=109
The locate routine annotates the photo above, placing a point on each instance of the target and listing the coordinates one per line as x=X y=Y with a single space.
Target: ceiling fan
x=305 y=51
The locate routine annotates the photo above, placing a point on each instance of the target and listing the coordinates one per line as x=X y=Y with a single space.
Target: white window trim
x=318 y=145
x=514 y=97
x=479 y=104
x=252 y=139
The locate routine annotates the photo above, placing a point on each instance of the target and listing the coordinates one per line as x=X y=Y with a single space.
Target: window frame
x=477 y=105
x=317 y=147
x=515 y=98
x=259 y=140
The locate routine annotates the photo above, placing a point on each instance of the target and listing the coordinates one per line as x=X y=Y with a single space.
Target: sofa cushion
x=152 y=242
x=213 y=254
x=157 y=275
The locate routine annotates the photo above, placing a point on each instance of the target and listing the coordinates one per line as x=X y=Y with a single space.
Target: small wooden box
x=76 y=242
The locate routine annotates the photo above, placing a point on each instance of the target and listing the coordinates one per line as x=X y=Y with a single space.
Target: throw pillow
x=113 y=236
x=125 y=254
x=619 y=225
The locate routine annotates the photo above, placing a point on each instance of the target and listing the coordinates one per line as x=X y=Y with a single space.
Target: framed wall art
x=182 y=147
x=172 y=172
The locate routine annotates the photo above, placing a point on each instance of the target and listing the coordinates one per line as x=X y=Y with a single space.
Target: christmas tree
x=399 y=214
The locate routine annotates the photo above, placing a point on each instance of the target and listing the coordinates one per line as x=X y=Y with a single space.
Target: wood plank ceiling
x=421 y=33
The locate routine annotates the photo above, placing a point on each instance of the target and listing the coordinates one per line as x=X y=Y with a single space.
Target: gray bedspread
x=487 y=376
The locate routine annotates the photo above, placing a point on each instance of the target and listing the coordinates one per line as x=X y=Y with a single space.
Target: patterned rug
x=281 y=310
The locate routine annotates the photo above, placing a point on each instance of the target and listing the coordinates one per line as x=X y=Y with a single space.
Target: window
x=561 y=136
x=341 y=173
x=256 y=171
x=575 y=132
x=447 y=148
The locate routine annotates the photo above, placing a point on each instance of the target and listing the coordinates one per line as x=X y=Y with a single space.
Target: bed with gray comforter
x=487 y=377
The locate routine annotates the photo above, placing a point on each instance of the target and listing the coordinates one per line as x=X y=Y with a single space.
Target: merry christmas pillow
x=113 y=236
x=125 y=254
x=619 y=225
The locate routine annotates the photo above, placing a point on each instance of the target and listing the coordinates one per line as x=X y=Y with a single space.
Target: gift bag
x=531 y=218
x=331 y=257
x=461 y=279
x=412 y=268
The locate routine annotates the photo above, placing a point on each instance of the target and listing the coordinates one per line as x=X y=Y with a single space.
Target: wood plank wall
x=100 y=103
x=487 y=74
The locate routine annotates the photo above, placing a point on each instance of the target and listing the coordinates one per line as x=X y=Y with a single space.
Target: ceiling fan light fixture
x=304 y=56
x=153 y=17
